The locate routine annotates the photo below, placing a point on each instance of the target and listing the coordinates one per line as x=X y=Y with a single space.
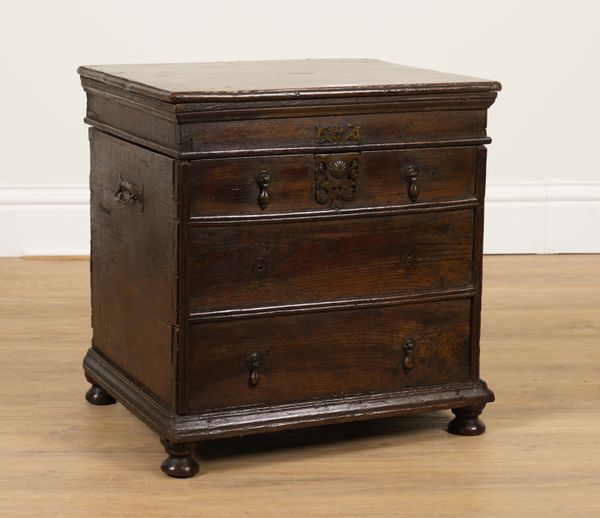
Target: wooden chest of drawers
x=285 y=244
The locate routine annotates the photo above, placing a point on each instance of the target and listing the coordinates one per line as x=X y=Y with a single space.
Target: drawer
x=271 y=264
x=296 y=357
x=370 y=130
x=271 y=185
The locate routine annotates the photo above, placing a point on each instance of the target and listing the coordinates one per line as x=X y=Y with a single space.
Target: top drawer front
x=233 y=186
x=368 y=130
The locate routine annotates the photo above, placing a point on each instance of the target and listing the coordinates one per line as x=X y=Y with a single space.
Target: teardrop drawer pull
x=264 y=182
x=412 y=175
x=408 y=347
x=253 y=363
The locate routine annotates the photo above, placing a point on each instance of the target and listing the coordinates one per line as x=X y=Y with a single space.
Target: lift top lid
x=294 y=79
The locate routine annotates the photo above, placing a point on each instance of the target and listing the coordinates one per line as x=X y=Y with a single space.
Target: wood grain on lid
x=193 y=82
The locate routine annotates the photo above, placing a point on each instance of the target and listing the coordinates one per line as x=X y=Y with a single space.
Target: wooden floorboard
x=540 y=348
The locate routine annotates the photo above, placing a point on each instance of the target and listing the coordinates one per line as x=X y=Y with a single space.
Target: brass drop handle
x=408 y=347
x=253 y=363
x=264 y=182
x=412 y=175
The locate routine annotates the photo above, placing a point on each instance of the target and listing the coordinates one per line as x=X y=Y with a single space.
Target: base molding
x=176 y=428
x=136 y=399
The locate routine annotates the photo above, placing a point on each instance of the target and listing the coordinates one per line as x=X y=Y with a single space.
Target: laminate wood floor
x=60 y=456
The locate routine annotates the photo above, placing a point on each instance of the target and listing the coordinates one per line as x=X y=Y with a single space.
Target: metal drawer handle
x=408 y=347
x=127 y=193
x=264 y=182
x=412 y=175
x=253 y=363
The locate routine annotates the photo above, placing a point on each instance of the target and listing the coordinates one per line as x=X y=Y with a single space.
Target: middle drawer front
x=274 y=264
x=295 y=357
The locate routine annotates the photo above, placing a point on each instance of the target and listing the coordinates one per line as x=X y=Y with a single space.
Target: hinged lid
x=295 y=79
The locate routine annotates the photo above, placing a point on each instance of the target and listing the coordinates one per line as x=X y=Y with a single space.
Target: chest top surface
x=292 y=79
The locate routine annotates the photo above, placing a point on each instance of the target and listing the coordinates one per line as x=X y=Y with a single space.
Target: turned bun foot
x=96 y=395
x=467 y=421
x=180 y=463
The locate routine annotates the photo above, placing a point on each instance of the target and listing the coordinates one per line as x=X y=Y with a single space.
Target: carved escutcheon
x=336 y=179
x=338 y=134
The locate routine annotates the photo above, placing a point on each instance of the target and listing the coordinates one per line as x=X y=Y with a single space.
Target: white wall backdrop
x=543 y=170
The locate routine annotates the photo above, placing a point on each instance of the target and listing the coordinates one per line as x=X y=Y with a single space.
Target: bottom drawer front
x=295 y=357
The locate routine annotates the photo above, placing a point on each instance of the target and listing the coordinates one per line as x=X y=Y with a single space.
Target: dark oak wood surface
x=229 y=187
x=189 y=82
x=327 y=354
x=133 y=262
x=376 y=131
x=175 y=108
x=275 y=128
x=187 y=427
x=241 y=266
x=279 y=245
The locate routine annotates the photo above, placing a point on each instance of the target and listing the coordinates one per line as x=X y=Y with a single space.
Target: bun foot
x=180 y=463
x=96 y=395
x=467 y=421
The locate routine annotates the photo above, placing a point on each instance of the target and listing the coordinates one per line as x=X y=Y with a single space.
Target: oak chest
x=285 y=244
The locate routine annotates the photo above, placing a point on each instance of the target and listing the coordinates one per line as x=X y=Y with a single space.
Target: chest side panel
x=133 y=260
